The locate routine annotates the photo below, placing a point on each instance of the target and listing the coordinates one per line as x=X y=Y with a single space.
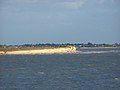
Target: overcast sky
x=59 y=21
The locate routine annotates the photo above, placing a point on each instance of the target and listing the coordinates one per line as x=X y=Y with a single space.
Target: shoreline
x=97 y=47
x=59 y=50
x=42 y=51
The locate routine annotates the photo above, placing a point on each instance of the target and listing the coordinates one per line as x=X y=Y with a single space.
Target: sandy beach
x=43 y=51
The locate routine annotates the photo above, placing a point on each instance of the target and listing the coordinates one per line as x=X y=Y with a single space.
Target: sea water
x=90 y=69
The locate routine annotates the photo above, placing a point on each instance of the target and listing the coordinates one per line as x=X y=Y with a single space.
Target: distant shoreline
x=60 y=50
x=44 y=50
x=97 y=47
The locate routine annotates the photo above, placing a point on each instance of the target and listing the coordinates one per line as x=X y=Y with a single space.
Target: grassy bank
x=6 y=49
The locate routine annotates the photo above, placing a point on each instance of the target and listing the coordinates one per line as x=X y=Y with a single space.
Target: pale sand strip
x=43 y=51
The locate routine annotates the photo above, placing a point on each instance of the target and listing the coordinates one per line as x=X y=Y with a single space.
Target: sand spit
x=43 y=51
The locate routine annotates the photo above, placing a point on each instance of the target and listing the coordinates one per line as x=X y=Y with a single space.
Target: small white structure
x=73 y=48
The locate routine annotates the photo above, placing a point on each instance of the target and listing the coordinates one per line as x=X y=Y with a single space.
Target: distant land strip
x=50 y=48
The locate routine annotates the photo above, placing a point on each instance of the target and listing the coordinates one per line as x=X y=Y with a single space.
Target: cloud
x=55 y=4
x=74 y=4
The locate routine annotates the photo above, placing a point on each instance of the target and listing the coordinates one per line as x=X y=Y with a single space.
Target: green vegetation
x=5 y=49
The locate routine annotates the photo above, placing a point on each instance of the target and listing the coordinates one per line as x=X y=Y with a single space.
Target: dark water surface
x=91 y=69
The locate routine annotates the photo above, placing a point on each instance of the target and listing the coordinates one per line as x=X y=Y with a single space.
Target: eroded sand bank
x=43 y=51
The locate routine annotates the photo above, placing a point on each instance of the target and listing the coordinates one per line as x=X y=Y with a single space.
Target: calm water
x=91 y=69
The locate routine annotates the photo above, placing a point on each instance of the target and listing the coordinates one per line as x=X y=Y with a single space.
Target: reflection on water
x=91 y=69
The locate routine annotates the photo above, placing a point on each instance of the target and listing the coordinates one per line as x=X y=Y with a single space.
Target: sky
x=59 y=21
